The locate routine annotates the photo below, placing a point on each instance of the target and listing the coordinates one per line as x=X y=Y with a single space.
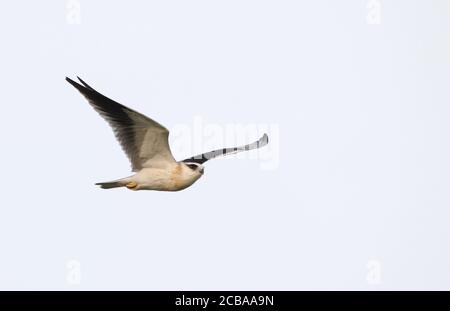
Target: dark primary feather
x=130 y=127
x=202 y=158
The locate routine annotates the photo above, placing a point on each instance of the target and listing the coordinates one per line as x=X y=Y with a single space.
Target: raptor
x=146 y=144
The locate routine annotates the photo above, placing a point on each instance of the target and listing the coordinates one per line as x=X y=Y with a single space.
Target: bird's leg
x=131 y=185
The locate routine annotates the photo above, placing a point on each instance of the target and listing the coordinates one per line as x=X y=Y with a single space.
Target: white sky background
x=359 y=198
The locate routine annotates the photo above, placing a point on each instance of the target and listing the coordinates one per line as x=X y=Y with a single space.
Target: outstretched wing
x=144 y=141
x=202 y=158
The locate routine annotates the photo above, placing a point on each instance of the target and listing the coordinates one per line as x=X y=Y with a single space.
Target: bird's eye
x=192 y=166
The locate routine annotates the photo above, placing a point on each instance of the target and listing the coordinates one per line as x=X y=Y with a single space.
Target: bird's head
x=195 y=168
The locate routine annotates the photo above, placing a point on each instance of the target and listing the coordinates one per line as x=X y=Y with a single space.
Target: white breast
x=172 y=178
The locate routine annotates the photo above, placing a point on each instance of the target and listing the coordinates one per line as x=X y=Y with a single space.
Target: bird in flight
x=146 y=144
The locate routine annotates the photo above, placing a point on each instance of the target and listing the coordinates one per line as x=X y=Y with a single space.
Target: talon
x=131 y=185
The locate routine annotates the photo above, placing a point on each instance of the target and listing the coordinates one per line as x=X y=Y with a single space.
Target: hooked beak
x=202 y=170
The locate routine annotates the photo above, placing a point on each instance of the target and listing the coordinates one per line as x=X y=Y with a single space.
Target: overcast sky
x=351 y=193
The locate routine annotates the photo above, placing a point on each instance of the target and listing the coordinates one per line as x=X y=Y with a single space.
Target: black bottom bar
x=209 y=300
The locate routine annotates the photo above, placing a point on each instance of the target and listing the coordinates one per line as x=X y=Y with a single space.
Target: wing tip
x=84 y=83
x=83 y=87
x=70 y=80
x=264 y=140
x=76 y=85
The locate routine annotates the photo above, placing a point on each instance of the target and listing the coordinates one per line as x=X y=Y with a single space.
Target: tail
x=110 y=184
x=114 y=184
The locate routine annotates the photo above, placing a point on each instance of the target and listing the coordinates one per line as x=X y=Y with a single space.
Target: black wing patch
x=202 y=158
x=113 y=112
x=125 y=122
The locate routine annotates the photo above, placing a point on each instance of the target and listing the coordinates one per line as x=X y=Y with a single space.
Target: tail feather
x=110 y=184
